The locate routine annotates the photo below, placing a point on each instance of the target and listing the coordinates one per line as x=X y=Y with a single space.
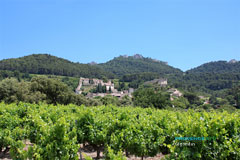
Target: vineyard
x=56 y=132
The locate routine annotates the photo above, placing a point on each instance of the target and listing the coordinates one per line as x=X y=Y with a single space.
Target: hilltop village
x=107 y=85
x=111 y=90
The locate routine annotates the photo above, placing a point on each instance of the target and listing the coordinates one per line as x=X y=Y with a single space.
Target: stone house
x=174 y=93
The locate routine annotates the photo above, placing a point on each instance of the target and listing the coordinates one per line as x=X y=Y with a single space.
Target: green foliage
x=47 y=64
x=204 y=107
x=108 y=100
x=112 y=156
x=233 y=96
x=236 y=94
x=72 y=82
x=95 y=102
x=59 y=142
x=121 y=66
x=227 y=108
x=237 y=98
x=209 y=78
x=56 y=131
x=37 y=90
x=54 y=90
x=136 y=79
x=145 y=76
x=13 y=91
x=148 y=97
x=208 y=82
x=100 y=89
x=192 y=98
x=14 y=74
x=122 y=86
x=87 y=157
x=126 y=101
x=105 y=80
x=217 y=67
x=180 y=102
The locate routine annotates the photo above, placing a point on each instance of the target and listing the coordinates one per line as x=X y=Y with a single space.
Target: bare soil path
x=87 y=150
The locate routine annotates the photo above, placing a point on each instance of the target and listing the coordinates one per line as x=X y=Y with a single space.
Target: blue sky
x=184 y=33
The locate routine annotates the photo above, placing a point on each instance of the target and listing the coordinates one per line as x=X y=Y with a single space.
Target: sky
x=184 y=33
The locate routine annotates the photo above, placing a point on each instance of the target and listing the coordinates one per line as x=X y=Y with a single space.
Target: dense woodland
x=121 y=66
x=232 y=66
x=47 y=64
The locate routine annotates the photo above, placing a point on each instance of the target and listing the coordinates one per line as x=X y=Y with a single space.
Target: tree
x=104 y=89
x=213 y=100
x=17 y=75
x=108 y=99
x=99 y=88
x=235 y=92
x=105 y=80
x=148 y=97
x=8 y=90
x=55 y=91
x=47 y=64
x=192 y=98
x=126 y=101
x=180 y=102
x=110 y=90
x=237 y=98
x=13 y=91
x=230 y=99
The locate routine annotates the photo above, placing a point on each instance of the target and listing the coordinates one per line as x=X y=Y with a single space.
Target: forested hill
x=117 y=67
x=232 y=66
x=212 y=76
x=123 y=65
x=208 y=77
x=48 y=64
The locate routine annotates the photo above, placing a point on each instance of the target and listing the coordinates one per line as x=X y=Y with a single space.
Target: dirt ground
x=87 y=150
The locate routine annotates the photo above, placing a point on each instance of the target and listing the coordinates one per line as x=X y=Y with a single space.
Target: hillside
x=123 y=65
x=117 y=67
x=209 y=77
x=48 y=64
x=212 y=76
x=232 y=66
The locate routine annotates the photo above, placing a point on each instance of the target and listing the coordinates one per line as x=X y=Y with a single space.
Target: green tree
x=126 y=101
x=192 y=98
x=108 y=99
x=55 y=91
x=180 y=102
x=13 y=91
x=237 y=98
x=148 y=97
x=105 y=80
x=99 y=88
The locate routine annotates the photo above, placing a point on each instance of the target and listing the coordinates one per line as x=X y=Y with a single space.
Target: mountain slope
x=48 y=64
x=212 y=76
x=232 y=66
x=137 y=64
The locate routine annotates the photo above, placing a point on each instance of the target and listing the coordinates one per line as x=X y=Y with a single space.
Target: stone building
x=109 y=87
x=174 y=93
